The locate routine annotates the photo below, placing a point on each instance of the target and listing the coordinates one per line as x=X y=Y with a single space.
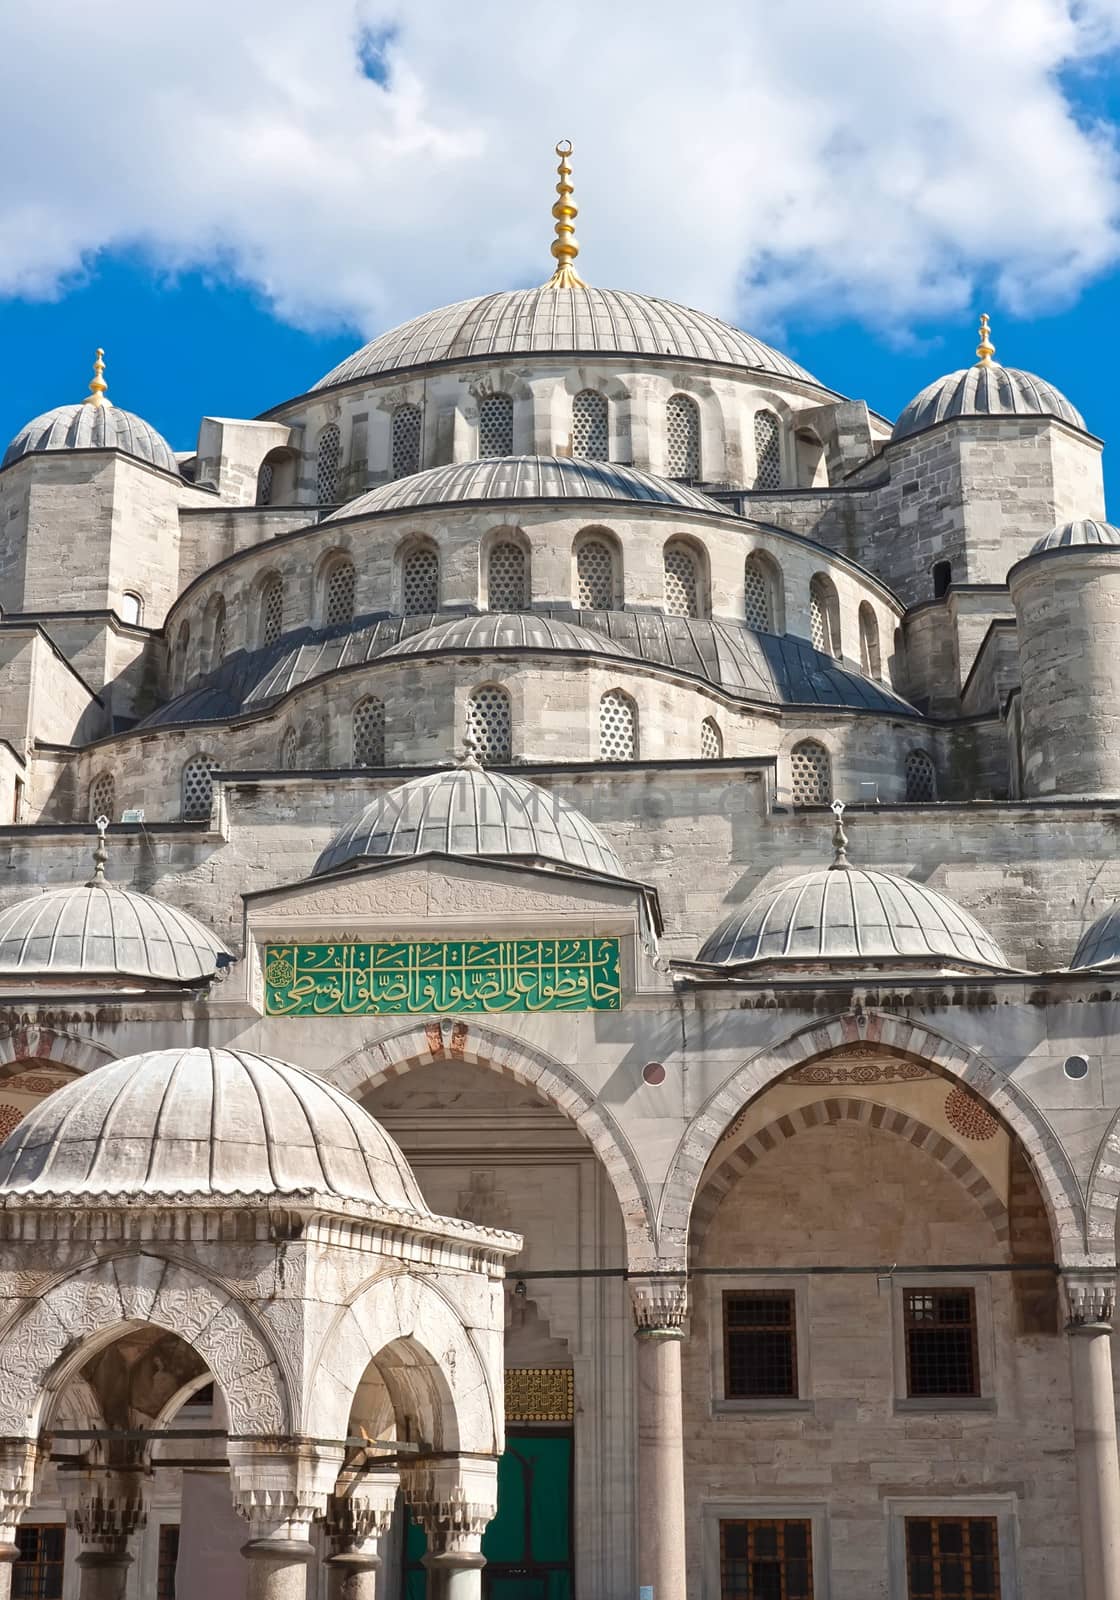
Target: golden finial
x=985 y=350
x=98 y=386
x=565 y=246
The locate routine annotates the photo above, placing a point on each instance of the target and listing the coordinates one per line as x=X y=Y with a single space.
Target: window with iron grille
x=758 y=598
x=618 y=727
x=767 y=451
x=264 y=484
x=759 y=1345
x=102 y=797
x=766 y=1559
x=711 y=740
x=490 y=723
x=810 y=774
x=682 y=437
x=870 y=660
x=272 y=610
x=941 y=1351
x=289 y=751
x=37 y=1571
x=406 y=441
x=507 y=586
x=198 y=789
x=595 y=576
x=495 y=426
x=921 y=779
x=589 y=425
x=824 y=616
x=420 y=582
x=682 y=587
x=168 y=1560
x=217 y=633
x=952 y=1558
x=340 y=593
x=369 y=733
x=327 y=460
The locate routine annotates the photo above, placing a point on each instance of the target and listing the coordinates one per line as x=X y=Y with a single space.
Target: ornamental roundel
x=279 y=972
x=968 y=1117
x=10 y=1118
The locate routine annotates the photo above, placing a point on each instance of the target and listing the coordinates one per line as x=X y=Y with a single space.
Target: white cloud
x=762 y=160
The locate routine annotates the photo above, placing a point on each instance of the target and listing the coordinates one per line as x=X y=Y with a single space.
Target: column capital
x=660 y=1305
x=453 y=1502
x=105 y=1506
x=20 y=1464
x=358 y=1514
x=1089 y=1299
x=281 y=1489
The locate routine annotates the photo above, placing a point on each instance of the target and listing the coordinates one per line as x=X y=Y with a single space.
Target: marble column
x=106 y=1507
x=1090 y=1301
x=277 y=1568
x=358 y=1517
x=454 y=1502
x=280 y=1488
x=659 y=1311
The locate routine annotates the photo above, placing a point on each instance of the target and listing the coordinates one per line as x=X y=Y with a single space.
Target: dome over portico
x=92 y=424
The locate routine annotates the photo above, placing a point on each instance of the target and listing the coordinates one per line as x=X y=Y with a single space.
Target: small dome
x=99 y=930
x=1072 y=534
x=527 y=478
x=1099 y=945
x=469 y=811
x=86 y=427
x=981 y=391
x=205 y=1122
x=495 y=630
x=852 y=914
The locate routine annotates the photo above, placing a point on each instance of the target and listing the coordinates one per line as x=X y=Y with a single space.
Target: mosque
x=557 y=943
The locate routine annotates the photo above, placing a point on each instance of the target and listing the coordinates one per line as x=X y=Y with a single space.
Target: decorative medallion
x=10 y=1117
x=540 y=1394
x=874 y=1069
x=37 y=1082
x=968 y=1116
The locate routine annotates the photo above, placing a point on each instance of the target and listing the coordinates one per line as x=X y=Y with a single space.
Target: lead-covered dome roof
x=506 y=630
x=1099 y=945
x=1071 y=535
x=985 y=391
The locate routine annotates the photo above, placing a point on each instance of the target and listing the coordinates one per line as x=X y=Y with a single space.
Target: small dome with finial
x=92 y=424
x=1086 y=532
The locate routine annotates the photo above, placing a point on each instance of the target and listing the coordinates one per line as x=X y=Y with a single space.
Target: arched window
x=870 y=657
x=338 y=596
x=921 y=776
x=759 y=609
x=495 y=426
x=215 y=633
x=490 y=723
x=767 y=451
x=420 y=582
x=824 y=615
x=682 y=581
x=102 y=797
x=595 y=575
x=180 y=658
x=618 y=727
x=405 y=448
x=272 y=609
x=198 y=789
x=682 y=437
x=328 y=457
x=810 y=774
x=131 y=608
x=507 y=578
x=264 y=482
x=711 y=740
x=369 y=733
x=942 y=578
x=590 y=436
x=289 y=751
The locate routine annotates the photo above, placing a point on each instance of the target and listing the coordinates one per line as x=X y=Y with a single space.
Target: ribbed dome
x=585 y=320
x=985 y=392
x=99 y=930
x=1099 y=945
x=496 y=630
x=468 y=811
x=86 y=427
x=205 y=1122
x=527 y=478
x=852 y=914
x=1072 y=534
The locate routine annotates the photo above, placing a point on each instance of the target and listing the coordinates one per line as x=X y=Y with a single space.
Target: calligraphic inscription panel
x=540 y=1394
x=350 y=979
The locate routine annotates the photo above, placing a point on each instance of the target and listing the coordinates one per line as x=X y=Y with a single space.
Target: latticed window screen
x=618 y=727
x=198 y=788
x=711 y=740
x=766 y=1560
x=595 y=576
x=921 y=779
x=682 y=588
x=941 y=1355
x=264 y=484
x=420 y=582
x=952 y=1558
x=340 y=593
x=589 y=425
x=289 y=751
x=767 y=451
x=272 y=611
x=810 y=774
x=406 y=441
x=682 y=437
x=327 y=461
x=168 y=1560
x=495 y=426
x=759 y=1345
x=369 y=733
x=507 y=588
x=102 y=797
x=489 y=723
x=37 y=1571
x=758 y=600
x=824 y=630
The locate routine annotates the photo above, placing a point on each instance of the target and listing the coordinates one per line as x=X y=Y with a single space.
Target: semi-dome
x=497 y=630
x=469 y=811
x=205 y=1122
x=1099 y=945
x=527 y=478
x=1070 y=535
x=92 y=424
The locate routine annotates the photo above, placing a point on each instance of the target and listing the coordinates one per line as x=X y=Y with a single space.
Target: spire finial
x=985 y=350
x=840 y=861
x=98 y=386
x=469 y=761
x=565 y=246
x=100 y=855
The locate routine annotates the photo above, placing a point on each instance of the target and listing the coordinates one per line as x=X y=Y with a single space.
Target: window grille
x=198 y=789
x=870 y=660
x=420 y=582
x=711 y=740
x=682 y=437
x=506 y=585
x=168 y=1560
x=369 y=733
x=264 y=484
x=767 y=451
x=37 y=1571
x=758 y=604
x=759 y=1345
x=289 y=751
x=327 y=464
x=952 y=1558
x=495 y=426
x=811 y=774
x=595 y=576
x=618 y=730
x=766 y=1560
x=272 y=611
x=340 y=593
x=102 y=797
x=406 y=441
x=132 y=608
x=489 y=724
x=589 y=426
x=824 y=616
x=921 y=779
x=682 y=591
x=941 y=1356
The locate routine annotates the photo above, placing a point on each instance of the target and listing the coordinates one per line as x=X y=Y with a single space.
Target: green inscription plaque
x=350 y=979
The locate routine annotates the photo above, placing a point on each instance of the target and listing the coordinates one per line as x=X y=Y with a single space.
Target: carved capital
x=453 y=1503
x=359 y=1514
x=106 y=1506
x=1090 y=1299
x=281 y=1489
x=20 y=1465
x=660 y=1306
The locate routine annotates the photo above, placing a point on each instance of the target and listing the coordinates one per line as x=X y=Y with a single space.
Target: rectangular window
x=952 y=1558
x=37 y=1573
x=759 y=1345
x=168 y=1560
x=941 y=1354
x=766 y=1560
